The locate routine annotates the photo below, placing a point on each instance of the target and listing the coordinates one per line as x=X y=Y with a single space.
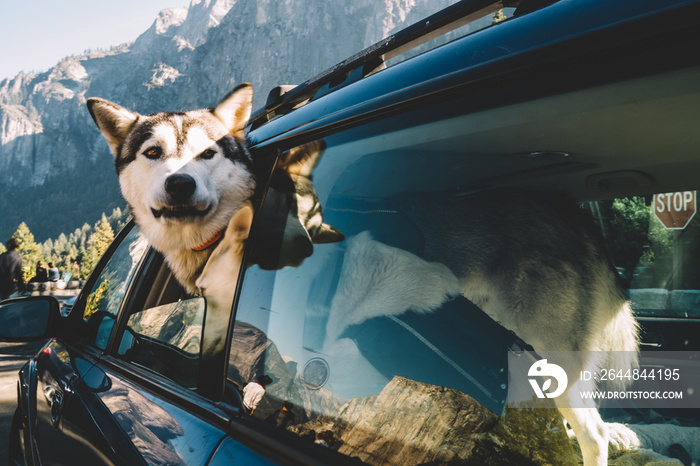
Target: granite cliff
x=57 y=168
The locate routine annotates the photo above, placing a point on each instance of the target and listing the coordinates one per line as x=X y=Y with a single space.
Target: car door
x=121 y=387
x=144 y=395
x=62 y=378
x=147 y=384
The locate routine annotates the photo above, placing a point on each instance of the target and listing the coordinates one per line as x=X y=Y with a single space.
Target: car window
x=372 y=323
x=164 y=324
x=105 y=297
x=166 y=339
x=653 y=241
x=351 y=344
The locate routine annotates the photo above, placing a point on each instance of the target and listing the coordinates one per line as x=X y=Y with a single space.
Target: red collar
x=211 y=241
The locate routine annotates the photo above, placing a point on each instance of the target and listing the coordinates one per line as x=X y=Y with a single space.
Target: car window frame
x=76 y=314
x=212 y=372
x=193 y=401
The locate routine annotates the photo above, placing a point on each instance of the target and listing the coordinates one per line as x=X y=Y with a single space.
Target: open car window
x=166 y=339
x=164 y=325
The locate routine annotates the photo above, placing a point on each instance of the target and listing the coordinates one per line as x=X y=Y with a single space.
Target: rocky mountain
x=57 y=168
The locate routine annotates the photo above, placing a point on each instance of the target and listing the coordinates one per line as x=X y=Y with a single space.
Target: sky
x=37 y=34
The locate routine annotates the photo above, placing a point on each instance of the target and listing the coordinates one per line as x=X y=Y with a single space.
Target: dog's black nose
x=180 y=187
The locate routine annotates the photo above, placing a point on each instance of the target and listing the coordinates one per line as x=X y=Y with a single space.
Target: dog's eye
x=153 y=152
x=207 y=154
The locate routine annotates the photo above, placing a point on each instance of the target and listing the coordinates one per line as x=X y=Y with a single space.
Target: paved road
x=12 y=358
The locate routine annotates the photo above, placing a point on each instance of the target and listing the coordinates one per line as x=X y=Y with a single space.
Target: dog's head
x=184 y=174
x=291 y=221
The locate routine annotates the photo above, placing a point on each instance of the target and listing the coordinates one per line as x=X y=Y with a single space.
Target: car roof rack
x=283 y=99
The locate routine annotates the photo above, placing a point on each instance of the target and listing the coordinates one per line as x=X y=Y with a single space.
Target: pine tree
x=71 y=256
x=118 y=219
x=76 y=253
x=97 y=244
x=28 y=249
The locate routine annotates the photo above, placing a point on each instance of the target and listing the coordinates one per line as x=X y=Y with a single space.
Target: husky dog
x=183 y=175
x=285 y=235
x=534 y=263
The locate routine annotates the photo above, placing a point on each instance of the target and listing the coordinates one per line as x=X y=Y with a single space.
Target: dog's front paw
x=621 y=438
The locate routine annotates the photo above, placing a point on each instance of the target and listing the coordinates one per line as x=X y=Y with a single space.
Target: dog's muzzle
x=180 y=188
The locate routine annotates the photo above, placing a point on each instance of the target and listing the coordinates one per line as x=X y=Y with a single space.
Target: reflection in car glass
x=393 y=369
x=110 y=287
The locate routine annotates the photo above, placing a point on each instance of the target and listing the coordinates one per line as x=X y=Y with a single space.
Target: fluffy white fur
x=655 y=439
x=379 y=280
x=217 y=281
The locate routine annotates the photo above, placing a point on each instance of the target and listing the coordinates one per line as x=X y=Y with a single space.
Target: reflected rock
x=407 y=423
x=415 y=423
x=148 y=426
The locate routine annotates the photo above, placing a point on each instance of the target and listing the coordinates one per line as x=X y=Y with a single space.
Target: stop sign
x=675 y=210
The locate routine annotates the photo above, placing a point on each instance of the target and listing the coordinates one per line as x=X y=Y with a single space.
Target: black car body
x=598 y=98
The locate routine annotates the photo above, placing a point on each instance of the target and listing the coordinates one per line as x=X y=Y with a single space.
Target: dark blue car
x=598 y=98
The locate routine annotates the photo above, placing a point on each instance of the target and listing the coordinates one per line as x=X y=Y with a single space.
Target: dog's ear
x=113 y=121
x=239 y=228
x=301 y=160
x=234 y=109
x=327 y=234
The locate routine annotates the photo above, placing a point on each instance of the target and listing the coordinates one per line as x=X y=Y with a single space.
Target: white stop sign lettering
x=675 y=210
